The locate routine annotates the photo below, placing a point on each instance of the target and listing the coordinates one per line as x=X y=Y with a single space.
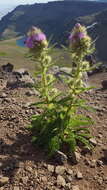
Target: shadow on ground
x=14 y=156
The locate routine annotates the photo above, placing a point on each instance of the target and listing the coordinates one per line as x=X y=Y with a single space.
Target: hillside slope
x=53 y=17
x=99 y=31
x=57 y=19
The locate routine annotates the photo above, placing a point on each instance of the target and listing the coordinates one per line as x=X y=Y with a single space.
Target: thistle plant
x=80 y=45
x=42 y=125
x=59 y=122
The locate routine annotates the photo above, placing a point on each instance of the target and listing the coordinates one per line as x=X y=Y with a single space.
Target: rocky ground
x=25 y=167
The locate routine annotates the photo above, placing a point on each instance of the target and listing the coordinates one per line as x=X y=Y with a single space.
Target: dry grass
x=10 y=52
x=14 y=54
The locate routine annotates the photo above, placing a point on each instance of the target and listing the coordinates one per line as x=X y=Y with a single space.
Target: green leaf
x=71 y=141
x=84 y=141
x=34 y=139
x=54 y=145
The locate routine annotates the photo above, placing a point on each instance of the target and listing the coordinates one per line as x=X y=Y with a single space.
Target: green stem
x=73 y=94
x=44 y=81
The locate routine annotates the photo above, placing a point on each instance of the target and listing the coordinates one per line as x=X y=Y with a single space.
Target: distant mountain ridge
x=102 y=0
x=4 y=9
x=54 y=18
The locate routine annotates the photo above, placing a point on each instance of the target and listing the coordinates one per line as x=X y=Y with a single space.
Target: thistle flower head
x=79 y=40
x=36 y=38
x=36 y=41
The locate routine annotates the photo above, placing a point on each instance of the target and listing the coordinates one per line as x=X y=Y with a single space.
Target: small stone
x=93 y=141
x=45 y=165
x=19 y=165
x=70 y=172
x=61 y=181
x=24 y=179
x=1 y=188
x=99 y=162
x=100 y=180
x=31 y=188
x=75 y=187
x=68 y=186
x=4 y=180
x=44 y=179
x=104 y=148
x=75 y=157
x=51 y=168
x=35 y=174
x=16 y=188
x=100 y=114
x=30 y=93
x=105 y=95
x=29 y=169
x=3 y=84
x=8 y=100
x=60 y=157
x=104 y=84
x=93 y=163
x=79 y=175
x=3 y=95
x=78 y=156
x=27 y=105
x=95 y=177
x=98 y=108
x=87 y=162
x=100 y=136
x=69 y=178
x=105 y=178
x=36 y=93
x=60 y=170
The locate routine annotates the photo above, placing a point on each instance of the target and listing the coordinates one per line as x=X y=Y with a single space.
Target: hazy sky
x=15 y=2
x=8 y=5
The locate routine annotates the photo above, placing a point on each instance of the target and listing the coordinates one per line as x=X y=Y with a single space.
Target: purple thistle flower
x=81 y=35
x=70 y=37
x=39 y=37
x=34 y=39
x=73 y=37
x=29 y=42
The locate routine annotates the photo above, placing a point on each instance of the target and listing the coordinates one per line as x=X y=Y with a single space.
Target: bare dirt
x=25 y=167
